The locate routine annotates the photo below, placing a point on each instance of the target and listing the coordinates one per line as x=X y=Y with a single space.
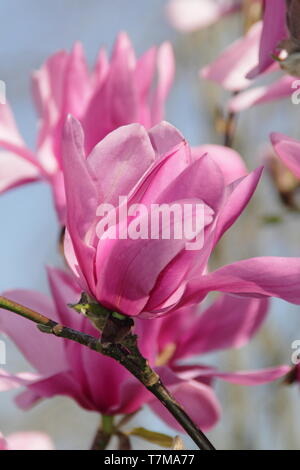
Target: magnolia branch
x=125 y=351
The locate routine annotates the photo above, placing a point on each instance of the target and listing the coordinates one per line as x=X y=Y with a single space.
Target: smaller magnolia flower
x=26 y=441
x=191 y=15
x=123 y=90
x=98 y=383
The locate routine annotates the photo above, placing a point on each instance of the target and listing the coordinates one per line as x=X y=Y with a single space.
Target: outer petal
x=144 y=76
x=81 y=196
x=288 y=150
x=15 y=171
x=230 y=322
x=238 y=197
x=117 y=98
x=265 y=94
x=3 y=443
x=230 y=69
x=63 y=383
x=228 y=160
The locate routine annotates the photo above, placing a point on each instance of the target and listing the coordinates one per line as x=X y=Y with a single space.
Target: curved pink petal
x=119 y=161
x=288 y=150
x=197 y=399
x=144 y=76
x=254 y=377
x=274 y=30
x=64 y=292
x=3 y=443
x=44 y=352
x=254 y=277
x=62 y=383
x=232 y=66
x=81 y=196
x=230 y=322
x=238 y=196
x=166 y=72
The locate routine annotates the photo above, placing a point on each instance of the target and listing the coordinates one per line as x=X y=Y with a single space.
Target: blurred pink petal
x=254 y=377
x=256 y=277
x=273 y=32
x=190 y=15
x=121 y=91
x=264 y=94
x=27 y=441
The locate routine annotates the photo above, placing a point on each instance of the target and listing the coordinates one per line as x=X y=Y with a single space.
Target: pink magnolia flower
x=191 y=15
x=288 y=150
x=151 y=276
x=26 y=441
x=112 y=94
x=98 y=383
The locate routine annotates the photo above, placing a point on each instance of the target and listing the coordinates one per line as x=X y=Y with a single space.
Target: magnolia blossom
x=99 y=383
x=112 y=94
x=191 y=15
x=26 y=441
x=150 y=277
x=288 y=150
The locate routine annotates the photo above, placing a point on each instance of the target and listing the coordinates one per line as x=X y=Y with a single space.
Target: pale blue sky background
x=30 y=31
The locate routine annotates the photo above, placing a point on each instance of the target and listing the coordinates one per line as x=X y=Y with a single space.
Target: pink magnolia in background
x=26 y=441
x=288 y=150
x=151 y=277
x=191 y=15
x=114 y=93
x=98 y=383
